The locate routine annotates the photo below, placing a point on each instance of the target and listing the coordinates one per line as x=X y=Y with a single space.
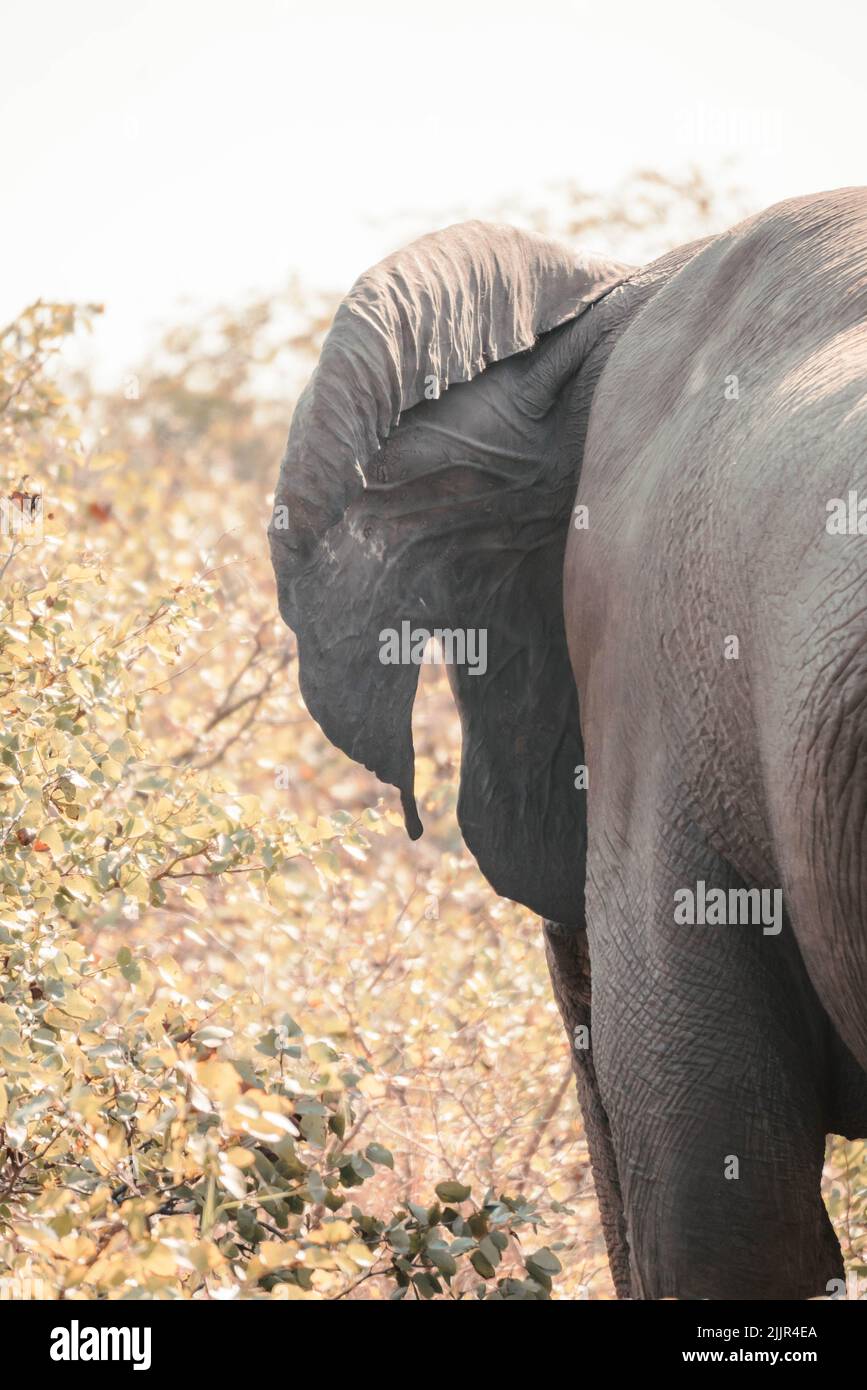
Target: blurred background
x=207 y=149
x=254 y=1044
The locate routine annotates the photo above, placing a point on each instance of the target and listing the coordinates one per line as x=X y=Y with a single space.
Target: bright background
x=156 y=150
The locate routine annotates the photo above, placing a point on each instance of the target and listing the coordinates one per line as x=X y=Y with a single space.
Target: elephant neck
x=617 y=310
x=602 y=328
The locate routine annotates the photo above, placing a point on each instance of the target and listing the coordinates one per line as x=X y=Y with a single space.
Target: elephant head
x=427 y=485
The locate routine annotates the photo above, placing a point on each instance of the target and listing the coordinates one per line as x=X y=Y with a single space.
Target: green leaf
x=489 y=1250
x=461 y=1245
x=543 y=1262
x=452 y=1191
x=481 y=1265
x=398 y=1239
x=442 y=1258
x=377 y=1153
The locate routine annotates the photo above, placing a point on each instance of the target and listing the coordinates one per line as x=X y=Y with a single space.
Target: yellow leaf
x=76 y=684
x=200 y=830
x=138 y=887
x=75 y=1004
x=79 y=887
x=359 y=1253
x=331 y=1233
x=52 y=839
x=220 y=1081
x=160 y=1260
x=248 y=809
x=276 y=1253
x=171 y=973
x=240 y=1157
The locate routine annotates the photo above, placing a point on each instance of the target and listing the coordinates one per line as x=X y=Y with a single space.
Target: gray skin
x=576 y=380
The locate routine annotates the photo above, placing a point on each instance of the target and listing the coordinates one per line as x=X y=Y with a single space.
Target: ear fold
x=457 y=522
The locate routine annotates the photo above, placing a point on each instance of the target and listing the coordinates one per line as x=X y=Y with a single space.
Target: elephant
x=643 y=485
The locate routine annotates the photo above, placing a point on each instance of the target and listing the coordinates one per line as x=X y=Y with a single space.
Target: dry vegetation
x=252 y=1042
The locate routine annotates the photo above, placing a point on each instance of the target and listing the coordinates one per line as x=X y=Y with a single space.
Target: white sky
x=156 y=149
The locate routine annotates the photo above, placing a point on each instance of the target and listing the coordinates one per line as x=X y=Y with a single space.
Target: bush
x=161 y=1135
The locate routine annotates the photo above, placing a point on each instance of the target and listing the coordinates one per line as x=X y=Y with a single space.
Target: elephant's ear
x=401 y=502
